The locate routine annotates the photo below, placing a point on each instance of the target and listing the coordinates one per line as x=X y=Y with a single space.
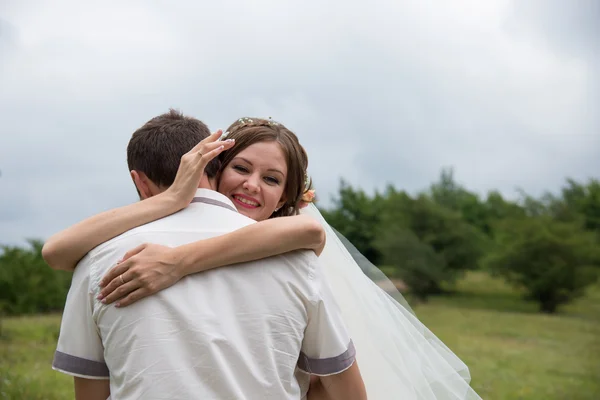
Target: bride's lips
x=236 y=198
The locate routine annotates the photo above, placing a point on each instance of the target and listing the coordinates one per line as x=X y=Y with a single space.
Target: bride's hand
x=192 y=167
x=143 y=271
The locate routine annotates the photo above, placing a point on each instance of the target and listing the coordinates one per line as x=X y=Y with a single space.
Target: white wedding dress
x=399 y=358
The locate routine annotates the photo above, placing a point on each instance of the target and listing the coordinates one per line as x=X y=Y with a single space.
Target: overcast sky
x=506 y=92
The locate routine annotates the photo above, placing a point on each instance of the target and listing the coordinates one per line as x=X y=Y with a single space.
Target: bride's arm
x=150 y=268
x=66 y=248
x=253 y=242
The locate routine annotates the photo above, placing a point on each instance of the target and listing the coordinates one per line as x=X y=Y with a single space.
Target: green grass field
x=513 y=351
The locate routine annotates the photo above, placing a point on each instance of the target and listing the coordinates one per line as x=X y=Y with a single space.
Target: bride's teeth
x=249 y=202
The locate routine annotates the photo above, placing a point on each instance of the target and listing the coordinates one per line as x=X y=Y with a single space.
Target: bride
x=398 y=356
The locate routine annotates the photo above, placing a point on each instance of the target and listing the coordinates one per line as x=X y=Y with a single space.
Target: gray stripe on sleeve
x=328 y=366
x=80 y=366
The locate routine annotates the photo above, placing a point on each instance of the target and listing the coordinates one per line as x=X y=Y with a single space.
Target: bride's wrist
x=185 y=260
x=191 y=258
x=171 y=201
x=181 y=263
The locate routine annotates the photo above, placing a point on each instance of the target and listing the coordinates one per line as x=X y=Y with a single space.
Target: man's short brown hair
x=157 y=147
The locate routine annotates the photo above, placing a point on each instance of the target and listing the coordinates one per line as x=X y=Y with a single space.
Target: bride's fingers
x=195 y=160
x=206 y=150
x=133 y=252
x=121 y=291
x=115 y=278
x=192 y=166
x=212 y=138
x=212 y=153
x=111 y=275
x=111 y=286
x=122 y=266
x=133 y=297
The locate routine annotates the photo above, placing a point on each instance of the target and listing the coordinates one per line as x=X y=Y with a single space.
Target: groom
x=247 y=332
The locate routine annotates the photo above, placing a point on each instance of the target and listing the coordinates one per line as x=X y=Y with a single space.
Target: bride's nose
x=252 y=184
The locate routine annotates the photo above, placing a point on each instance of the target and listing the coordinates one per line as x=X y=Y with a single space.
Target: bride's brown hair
x=248 y=131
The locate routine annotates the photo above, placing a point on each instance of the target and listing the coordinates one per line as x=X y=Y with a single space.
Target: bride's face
x=255 y=180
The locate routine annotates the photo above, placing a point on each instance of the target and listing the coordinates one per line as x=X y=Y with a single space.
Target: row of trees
x=548 y=246
x=27 y=284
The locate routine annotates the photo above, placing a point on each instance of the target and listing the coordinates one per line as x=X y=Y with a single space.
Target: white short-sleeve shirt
x=241 y=332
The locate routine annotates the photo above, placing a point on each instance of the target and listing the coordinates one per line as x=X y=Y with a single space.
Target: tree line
x=27 y=284
x=548 y=246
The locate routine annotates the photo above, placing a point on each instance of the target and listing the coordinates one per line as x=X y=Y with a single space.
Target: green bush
x=554 y=261
x=429 y=245
x=27 y=284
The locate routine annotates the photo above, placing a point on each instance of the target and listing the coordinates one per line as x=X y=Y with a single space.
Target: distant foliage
x=548 y=246
x=430 y=245
x=415 y=262
x=553 y=260
x=27 y=284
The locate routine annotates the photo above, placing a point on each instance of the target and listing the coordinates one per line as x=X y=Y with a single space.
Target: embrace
x=226 y=283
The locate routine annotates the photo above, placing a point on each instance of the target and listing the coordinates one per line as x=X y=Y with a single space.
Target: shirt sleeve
x=327 y=348
x=80 y=351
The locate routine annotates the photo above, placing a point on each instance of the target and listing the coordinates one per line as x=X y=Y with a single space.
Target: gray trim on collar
x=328 y=366
x=208 y=200
x=81 y=366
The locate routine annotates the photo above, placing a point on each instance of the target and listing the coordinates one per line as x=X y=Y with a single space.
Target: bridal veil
x=398 y=356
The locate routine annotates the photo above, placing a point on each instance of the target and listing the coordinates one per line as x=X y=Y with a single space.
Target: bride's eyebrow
x=242 y=159
x=248 y=162
x=276 y=170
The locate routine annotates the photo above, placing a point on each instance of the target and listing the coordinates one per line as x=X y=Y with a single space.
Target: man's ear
x=142 y=183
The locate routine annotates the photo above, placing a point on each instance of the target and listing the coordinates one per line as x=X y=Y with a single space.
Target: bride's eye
x=240 y=168
x=272 y=180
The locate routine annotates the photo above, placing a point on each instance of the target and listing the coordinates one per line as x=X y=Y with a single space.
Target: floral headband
x=243 y=122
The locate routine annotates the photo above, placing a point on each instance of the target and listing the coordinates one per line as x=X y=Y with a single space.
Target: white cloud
x=385 y=93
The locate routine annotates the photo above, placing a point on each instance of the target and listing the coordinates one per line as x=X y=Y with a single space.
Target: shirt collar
x=212 y=197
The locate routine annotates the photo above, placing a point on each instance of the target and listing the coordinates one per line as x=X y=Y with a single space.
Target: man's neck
x=208 y=183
